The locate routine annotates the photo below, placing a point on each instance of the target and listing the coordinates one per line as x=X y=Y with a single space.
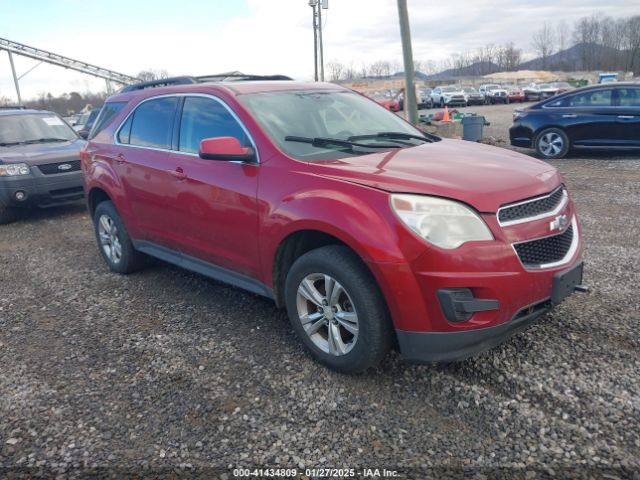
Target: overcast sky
x=260 y=36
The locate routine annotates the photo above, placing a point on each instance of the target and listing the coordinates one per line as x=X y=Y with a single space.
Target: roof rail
x=185 y=80
x=162 y=82
x=12 y=107
x=239 y=77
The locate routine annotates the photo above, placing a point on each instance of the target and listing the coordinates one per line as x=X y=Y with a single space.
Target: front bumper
x=41 y=190
x=432 y=347
x=521 y=136
x=498 y=287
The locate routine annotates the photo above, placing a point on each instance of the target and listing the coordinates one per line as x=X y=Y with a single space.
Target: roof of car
x=21 y=111
x=234 y=88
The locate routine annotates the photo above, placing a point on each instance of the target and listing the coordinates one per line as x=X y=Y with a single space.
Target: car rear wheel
x=552 y=143
x=337 y=310
x=114 y=242
x=7 y=215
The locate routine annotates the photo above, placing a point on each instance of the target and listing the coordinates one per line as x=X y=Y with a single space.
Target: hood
x=482 y=176
x=42 y=153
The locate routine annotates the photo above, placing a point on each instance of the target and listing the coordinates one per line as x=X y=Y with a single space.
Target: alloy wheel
x=327 y=314
x=109 y=239
x=551 y=144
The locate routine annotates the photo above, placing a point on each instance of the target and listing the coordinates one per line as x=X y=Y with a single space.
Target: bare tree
x=379 y=69
x=508 y=57
x=150 y=75
x=543 y=44
x=335 y=70
x=562 y=34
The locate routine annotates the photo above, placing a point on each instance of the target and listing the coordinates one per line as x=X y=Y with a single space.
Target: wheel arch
x=292 y=247
x=95 y=197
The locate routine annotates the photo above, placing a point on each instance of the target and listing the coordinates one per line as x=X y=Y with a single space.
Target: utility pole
x=15 y=78
x=318 y=51
x=410 y=103
x=320 y=7
x=313 y=4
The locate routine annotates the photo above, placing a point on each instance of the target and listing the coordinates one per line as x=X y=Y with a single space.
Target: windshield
x=449 y=89
x=323 y=114
x=469 y=90
x=31 y=128
x=544 y=85
x=493 y=87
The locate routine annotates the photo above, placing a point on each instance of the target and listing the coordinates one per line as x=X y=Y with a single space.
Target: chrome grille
x=531 y=208
x=545 y=250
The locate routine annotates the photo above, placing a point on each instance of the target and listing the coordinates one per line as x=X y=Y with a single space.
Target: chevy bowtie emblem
x=558 y=223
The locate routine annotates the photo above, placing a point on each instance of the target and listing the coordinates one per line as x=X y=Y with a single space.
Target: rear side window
x=151 y=124
x=107 y=113
x=206 y=118
x=629 y=97
x=598 y=98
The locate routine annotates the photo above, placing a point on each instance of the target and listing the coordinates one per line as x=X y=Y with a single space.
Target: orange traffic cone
x=445 y=117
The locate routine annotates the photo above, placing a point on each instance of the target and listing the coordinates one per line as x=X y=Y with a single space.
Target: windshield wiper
x=395 y=136
x=8 y=144
x=336 y=142
x=46 y=140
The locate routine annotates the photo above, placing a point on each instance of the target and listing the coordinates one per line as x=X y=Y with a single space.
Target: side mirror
x=225 y=148
x=84 y=134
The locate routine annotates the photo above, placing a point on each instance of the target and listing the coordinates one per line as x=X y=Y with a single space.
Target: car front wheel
x=337 y=310
x=552 y=143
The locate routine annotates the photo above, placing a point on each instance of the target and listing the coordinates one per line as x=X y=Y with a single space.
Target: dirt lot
x=165 y=371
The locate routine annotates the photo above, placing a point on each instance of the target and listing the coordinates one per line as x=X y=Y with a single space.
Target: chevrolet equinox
x=372 y=234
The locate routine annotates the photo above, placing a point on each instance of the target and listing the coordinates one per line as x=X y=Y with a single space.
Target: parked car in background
x=547 y=90
x=531 y=93
x=39 y=162
x=81 y=120
x=514 y=94
x=598 y=116
x=86 y=128
x=278 y=187
x=71 y=119
x=424 y=98
x=472 y=96
x=493 y=93
x=448 y=96
x=562 y=87
x=386 y=101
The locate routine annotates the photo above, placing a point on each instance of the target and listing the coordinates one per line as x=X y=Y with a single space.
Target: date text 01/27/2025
x=315 y=473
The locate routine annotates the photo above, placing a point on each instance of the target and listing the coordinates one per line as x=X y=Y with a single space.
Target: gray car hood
x=42 y=153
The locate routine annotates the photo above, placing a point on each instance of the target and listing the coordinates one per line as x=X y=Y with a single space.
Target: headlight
x=14 y=169
x=444 y=223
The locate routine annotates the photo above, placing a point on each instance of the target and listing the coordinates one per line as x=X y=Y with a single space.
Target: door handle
x=569 y=115
x=626 y=117
x=178 y=173
x=120 y=159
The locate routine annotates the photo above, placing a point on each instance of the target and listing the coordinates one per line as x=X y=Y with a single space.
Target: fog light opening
x=20 y=196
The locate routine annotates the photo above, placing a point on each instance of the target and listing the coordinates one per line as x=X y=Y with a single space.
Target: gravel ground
x=167 y=373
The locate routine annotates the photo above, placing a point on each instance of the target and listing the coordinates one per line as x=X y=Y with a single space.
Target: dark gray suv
x=39 y=161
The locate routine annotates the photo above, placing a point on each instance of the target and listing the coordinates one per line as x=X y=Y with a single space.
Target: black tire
x=362 y=294
x=129 y=260
x=7 y=215
x=552 y=143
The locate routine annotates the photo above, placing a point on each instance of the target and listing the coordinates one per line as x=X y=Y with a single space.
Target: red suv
x=371 y=233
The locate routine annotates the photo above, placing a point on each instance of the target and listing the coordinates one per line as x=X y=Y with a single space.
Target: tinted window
x=124 y=135
x=153 y=123
x=629 y=97
x=597 y=98
x=107 y=113
x=206 y=118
